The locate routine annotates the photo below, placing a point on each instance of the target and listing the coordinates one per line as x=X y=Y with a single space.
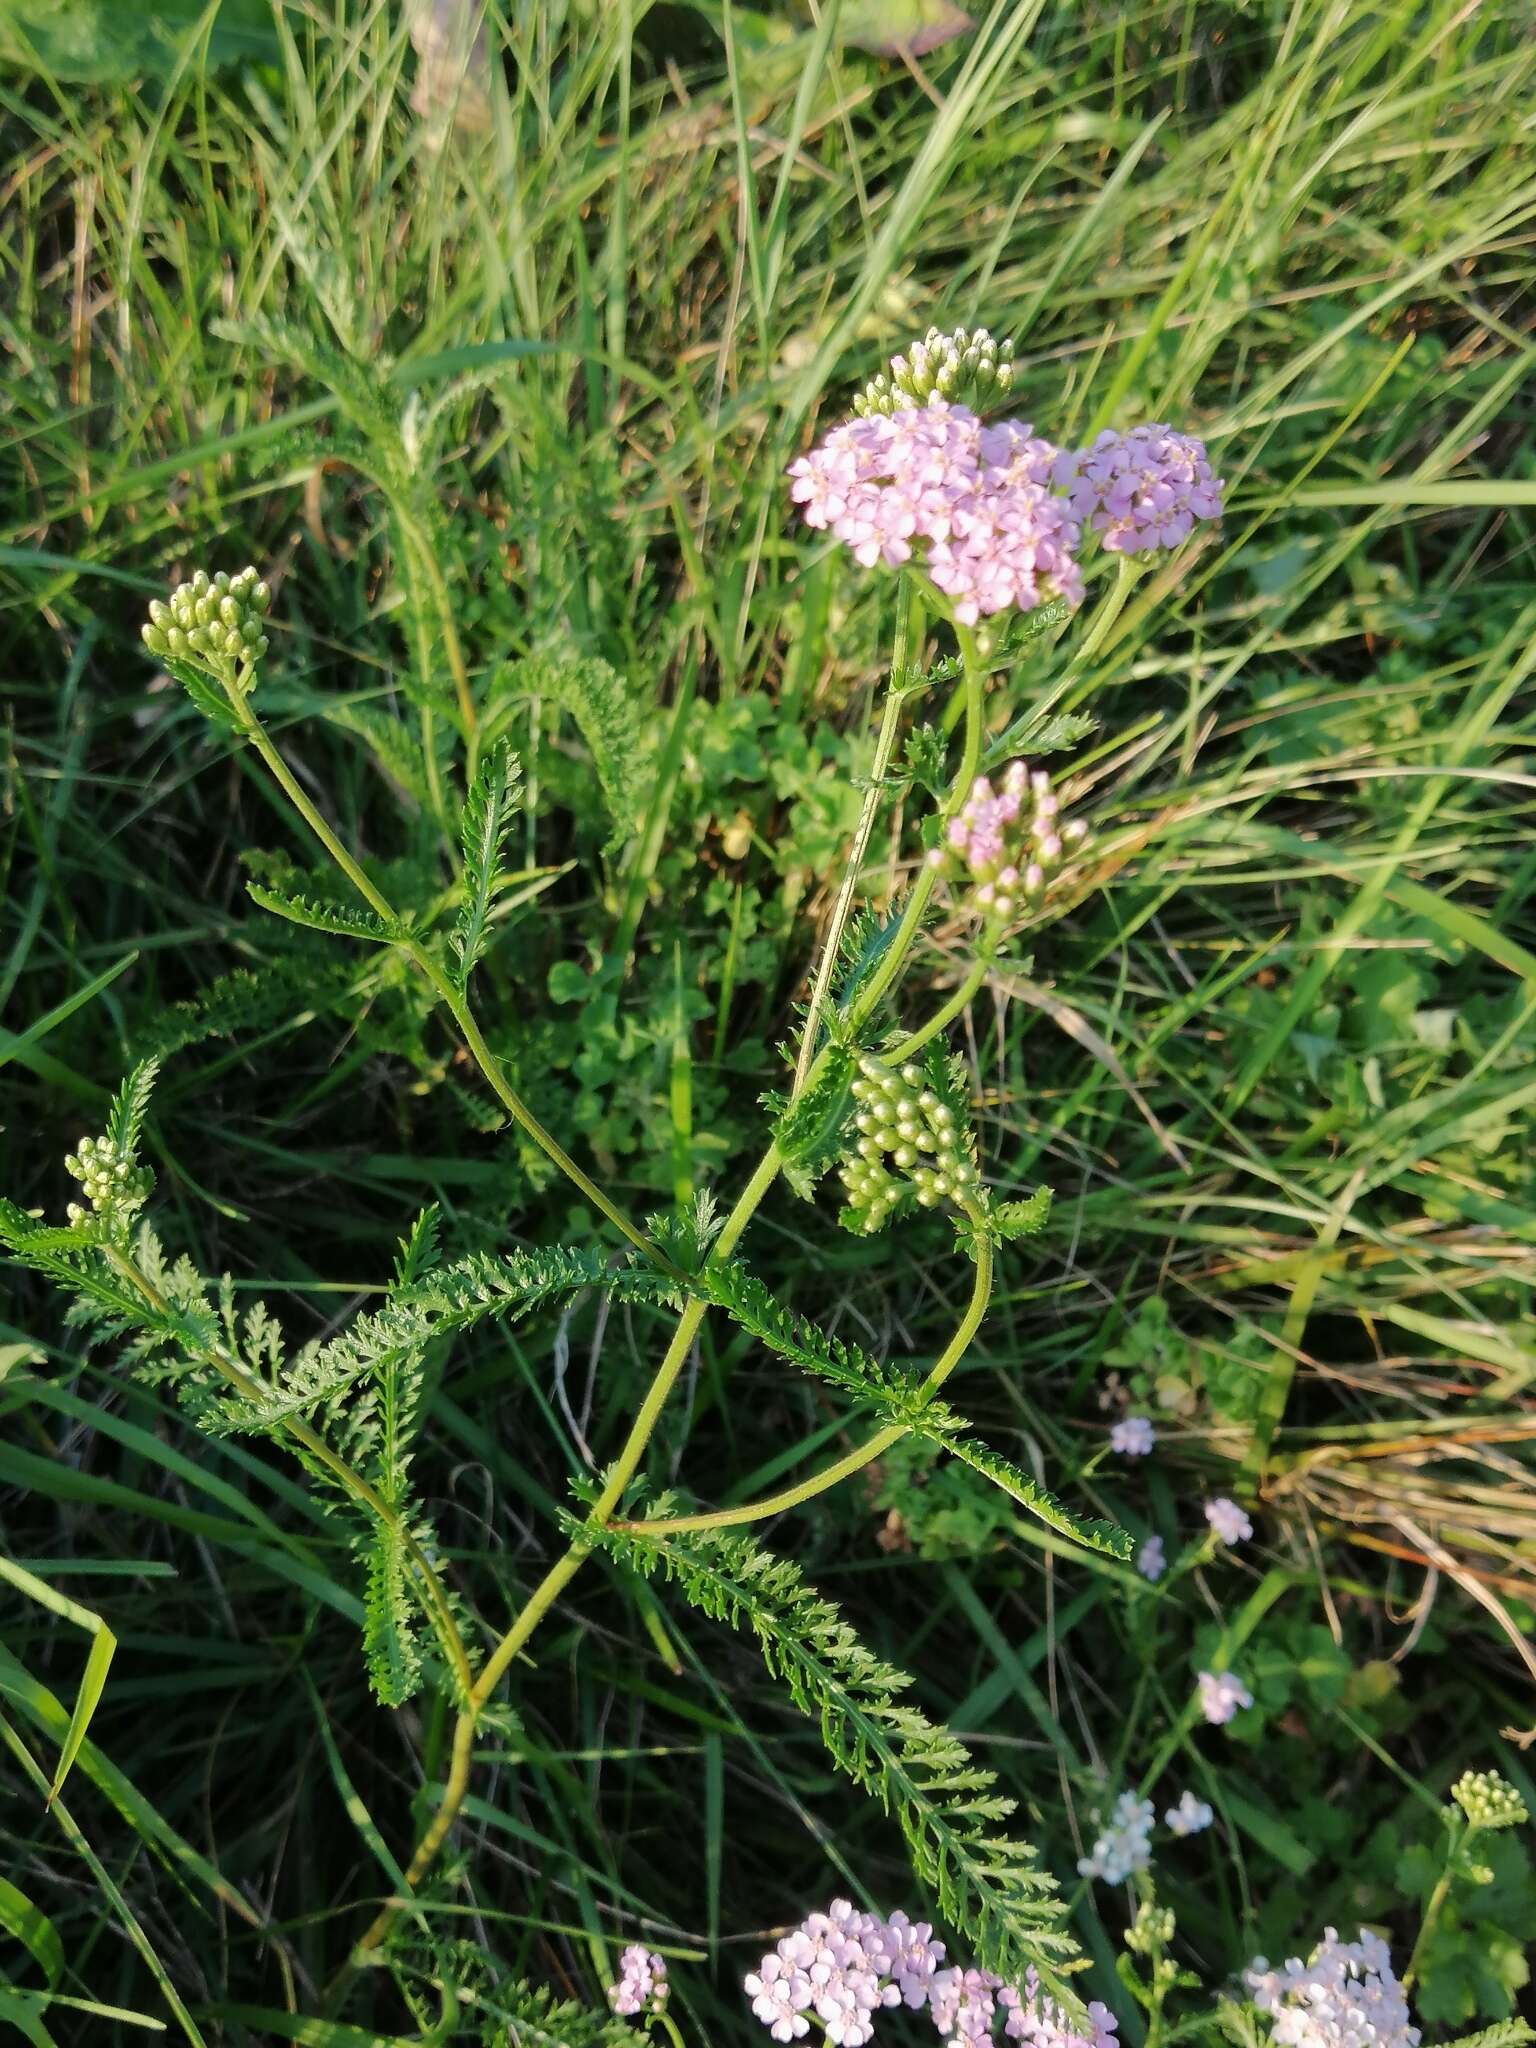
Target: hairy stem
x=908 y=629
x=1437 y=1899
x=945 y=1014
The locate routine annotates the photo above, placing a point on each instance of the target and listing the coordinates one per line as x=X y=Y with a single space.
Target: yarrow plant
x=1133 y=1438
x=987 y=526
x=1229 y=1524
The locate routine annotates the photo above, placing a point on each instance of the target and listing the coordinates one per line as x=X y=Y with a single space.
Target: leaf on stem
x=948 y=1807
x=340 y=919
x=489 y=809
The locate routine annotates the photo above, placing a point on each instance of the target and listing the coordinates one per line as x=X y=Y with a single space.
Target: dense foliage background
x=258 y=303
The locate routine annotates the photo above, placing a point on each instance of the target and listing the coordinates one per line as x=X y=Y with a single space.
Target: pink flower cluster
x=641 y=1985
x=1141 y=490
x=1229 y=1524
x=843 y=1966
x=997 y=512
x=1009 y=841
x=975 y=498
x=1347 y=1996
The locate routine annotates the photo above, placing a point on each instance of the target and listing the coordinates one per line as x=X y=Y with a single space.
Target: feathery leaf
x=948 y=1808
x=338 y=918
x=488 y=812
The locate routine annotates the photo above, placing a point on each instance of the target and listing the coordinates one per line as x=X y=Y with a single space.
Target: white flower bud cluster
x=213 y=622
x=113 y=1185
x=902 y=1123
x=962 y=368
x=1488 y=1800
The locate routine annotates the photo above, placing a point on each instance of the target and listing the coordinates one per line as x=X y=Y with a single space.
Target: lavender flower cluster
x=995 y=512
x=844 y=1966
x=1346 y=1997
x=1142 y=490
x=1008 y=843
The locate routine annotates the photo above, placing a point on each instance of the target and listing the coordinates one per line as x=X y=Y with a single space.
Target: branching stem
x=625 y=1466
x=873 y=1446
x=446 y=993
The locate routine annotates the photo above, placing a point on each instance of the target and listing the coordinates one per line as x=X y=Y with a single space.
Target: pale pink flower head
x=915 y=1957
x=1346 y=1996
x=641 y=1985
x=1142 y=490
x=1221 y=1695
x=971 y=504
x=961 y=2003
x=1150 y=1560
x=1008 y=842
x=837 y=1965
x=1040 y=2021
x=1228 y=1522
x=1134 y=1437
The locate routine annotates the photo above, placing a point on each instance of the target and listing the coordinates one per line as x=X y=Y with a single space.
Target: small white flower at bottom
x=1125 y=1844
x=641 y=1985
x=1228 y=1522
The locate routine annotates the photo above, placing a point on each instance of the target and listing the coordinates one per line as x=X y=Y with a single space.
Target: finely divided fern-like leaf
x=747 y=1301
x=130 y=1106
x=1107 y=1538
x=947 y=1806
x=389 y=1617
x=1022 y=1219
x=502 y=1285
x=809 y=1130
x=1502 y=2034
x=487 y=818
x=605 y=709
x=338 y=918
x=896 y=1394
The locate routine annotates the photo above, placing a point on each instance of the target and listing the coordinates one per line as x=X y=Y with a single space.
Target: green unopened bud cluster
x=902 y=1123
x=215 y=623
x=1488 y=1800
x=113 y=1185
x=962 y=368
x=1152 y=1930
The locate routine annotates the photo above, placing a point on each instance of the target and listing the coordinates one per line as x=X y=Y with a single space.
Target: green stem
x=872 y=1447
x=908 y=625
x=458 y=1008
x=559 y=1575
x=565 y=1568
x=1437 y=1899
x=918 y=897
x=945 y=1014
x=320 y=1451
